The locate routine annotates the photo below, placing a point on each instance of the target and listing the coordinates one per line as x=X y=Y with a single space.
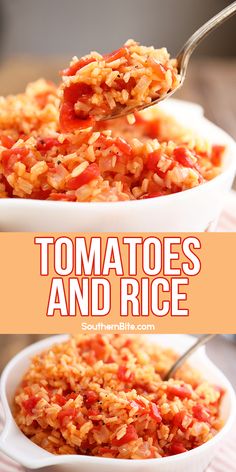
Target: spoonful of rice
x=180 y=361
x=134 y=77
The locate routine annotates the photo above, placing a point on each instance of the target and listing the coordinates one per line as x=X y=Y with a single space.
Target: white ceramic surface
x=18 y=447
x=196 y=209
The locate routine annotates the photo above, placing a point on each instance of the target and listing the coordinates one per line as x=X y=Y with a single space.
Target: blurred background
x=48 y=28
x=221 y=349
x=38 y=38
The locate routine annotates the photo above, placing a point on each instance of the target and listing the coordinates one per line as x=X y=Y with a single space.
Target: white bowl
x=17 y=446
x=197 y=209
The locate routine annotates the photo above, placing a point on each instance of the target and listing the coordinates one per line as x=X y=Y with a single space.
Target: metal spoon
x=184 y=56
x=200 y=342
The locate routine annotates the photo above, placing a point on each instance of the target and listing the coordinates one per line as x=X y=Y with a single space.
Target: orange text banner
x=163 y=283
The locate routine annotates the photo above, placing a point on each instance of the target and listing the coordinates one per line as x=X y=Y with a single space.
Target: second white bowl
x=17 y=446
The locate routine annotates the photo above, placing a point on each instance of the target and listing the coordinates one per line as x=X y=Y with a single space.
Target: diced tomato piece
x=104 y=141
x=117 y=54
x=217 y=152
x=125 y=358
x=128 y=342
x=45 y=144
x=92 y=172
x=72 y=395
x=178 y=391
x=124 y=375
x=7 y=141
x=84 y=61
x=153 y=159
x=39 y=194
x=90 y=397
x=110 y=360
x=60 y=399
x=65 y=414
x=11 y=156
x=30 y=404
x=130 y=435
x=123 y=146
x=98 y=346
x=93 y=412
x=155 y=414
x=179 y=419
x=183 y=156
x=69 y=120
x=177 y=448
x=75 y=92
x=201 y=413
x=120 y=84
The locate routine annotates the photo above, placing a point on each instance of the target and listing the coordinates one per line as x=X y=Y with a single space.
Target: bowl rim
x=230 y=167
x=75 y=459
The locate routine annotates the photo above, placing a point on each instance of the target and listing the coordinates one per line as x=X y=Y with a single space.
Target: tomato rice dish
x=51 y=148
x=103 y=395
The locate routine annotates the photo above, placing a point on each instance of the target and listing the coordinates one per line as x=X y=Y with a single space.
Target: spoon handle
x=217 y=20
x=200 y=342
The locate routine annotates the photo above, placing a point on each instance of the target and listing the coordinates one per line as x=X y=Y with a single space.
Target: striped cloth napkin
x=224 y=461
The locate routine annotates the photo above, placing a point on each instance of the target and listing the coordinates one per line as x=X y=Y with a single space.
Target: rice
x=103 y=395
x=125 y=79
x=147 y=154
